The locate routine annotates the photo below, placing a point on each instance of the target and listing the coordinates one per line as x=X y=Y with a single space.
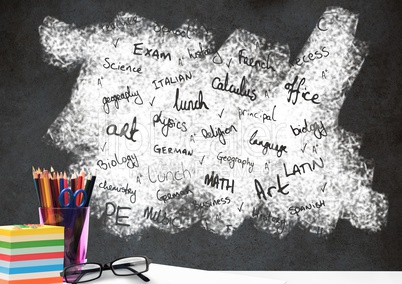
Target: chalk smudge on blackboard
x=243 y=101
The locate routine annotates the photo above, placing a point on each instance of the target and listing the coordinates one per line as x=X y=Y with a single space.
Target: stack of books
x=31 y=254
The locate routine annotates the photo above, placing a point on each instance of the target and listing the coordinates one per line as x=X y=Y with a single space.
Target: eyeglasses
x=126 y=266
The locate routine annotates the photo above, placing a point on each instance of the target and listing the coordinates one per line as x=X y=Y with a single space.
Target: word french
x=257 y=63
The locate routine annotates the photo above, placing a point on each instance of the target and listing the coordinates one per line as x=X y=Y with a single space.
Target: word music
x=156 y=217
x=189 y=105
x=241 y=91
x=155 y=54
x=167 y=81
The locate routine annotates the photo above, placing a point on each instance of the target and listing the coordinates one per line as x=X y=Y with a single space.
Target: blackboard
x=36 y=90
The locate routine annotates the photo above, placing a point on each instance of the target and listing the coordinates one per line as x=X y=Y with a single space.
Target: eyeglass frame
x=109 y=266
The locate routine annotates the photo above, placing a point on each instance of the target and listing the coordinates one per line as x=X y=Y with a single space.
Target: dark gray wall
x=32 y=94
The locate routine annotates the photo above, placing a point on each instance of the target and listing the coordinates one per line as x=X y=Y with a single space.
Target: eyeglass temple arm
x=127 y=266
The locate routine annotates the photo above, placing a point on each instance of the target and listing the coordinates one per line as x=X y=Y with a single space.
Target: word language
x=189 y=105
x=232 y=160
x=168 y=123
x=130 y=161
x=214 y=181
x=295 y=210
x=167 y=81
x=123 y=96
x=155 y=54
x=120 y=67
x=241 y=91
x=318 y=131
x=305 y=95
x=267 y=145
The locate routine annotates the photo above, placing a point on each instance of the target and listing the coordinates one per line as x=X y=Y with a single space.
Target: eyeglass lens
x=129 y=266
x=82 y=272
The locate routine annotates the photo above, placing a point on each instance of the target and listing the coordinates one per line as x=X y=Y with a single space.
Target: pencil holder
x=76 y=227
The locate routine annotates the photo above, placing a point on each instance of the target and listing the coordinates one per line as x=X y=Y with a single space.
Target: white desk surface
x=164 y=274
